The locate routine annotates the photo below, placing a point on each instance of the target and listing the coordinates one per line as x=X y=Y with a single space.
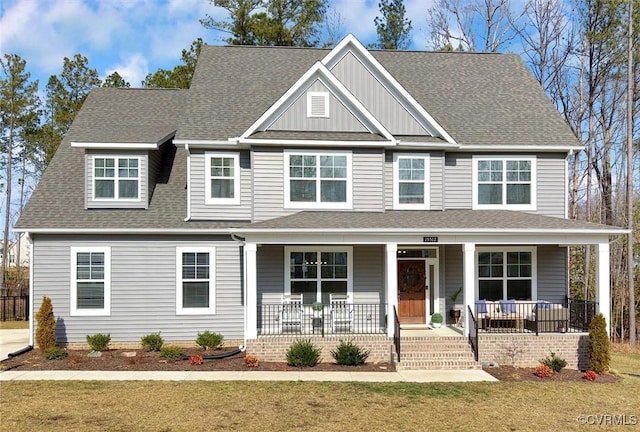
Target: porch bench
x=548 y=318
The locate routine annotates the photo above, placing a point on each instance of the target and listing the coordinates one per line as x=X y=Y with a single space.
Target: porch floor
x=444 y=331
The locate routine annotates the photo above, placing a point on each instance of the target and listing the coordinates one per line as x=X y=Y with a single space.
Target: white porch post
x=251 y=291
x=469 y=276
x=603 y=295
x=392 y=284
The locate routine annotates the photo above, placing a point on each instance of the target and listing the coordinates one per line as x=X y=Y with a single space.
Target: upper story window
x=90 y=281
x=317 y=178
x=222 y=184
x=504 y=183
x=116 y=178
x=410 y=181
x=318 y=104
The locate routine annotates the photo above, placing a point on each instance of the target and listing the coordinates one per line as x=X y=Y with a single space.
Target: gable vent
x=318 y=104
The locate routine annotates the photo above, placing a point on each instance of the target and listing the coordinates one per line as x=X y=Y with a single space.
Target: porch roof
x=432 y=221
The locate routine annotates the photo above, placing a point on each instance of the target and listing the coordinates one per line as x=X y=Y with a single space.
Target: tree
x=629 y=184
x=334 y=28
x=181 y=75
x=270 y=22
x=19 y=117
x=115 y=80
x=394 y=30
x=46 y=326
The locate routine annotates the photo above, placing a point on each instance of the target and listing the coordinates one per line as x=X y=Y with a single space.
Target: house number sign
x=430 y=239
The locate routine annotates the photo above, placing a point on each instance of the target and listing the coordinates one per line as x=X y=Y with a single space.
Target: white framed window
x=315 y=272
x=195 y=276
x=507 y=182
x=222 y=183
x=313 y=178
x=318 y=104
x=116 y=178
x=90 y=281
x=506 y=273
x=410 y=181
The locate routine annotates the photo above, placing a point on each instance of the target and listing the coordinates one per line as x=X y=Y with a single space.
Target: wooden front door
x=411 y=291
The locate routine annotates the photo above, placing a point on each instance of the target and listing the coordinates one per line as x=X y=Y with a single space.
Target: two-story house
x=375 y=183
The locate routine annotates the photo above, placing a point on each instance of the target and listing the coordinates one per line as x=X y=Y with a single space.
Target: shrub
x=98 y=341
x=437 y=318
x=303 y=353
x=209 y=340
x=172 y=352
x=554 y=362
x=251 y=361
x=543 y=371
x=350 y=354
x=56 y=353
x=590 y=375
x=46 y=322
x=152 y=342
x=195 y=360
x=598 y=345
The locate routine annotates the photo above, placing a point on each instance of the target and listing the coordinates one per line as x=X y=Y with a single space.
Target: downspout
x=31 y=266
x=241 y=241
x=188 y=218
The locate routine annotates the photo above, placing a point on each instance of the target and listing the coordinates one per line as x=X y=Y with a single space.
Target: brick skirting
x=230 y=343
x=570 y=346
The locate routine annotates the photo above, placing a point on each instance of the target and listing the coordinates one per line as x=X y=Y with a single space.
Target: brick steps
x=436 y=353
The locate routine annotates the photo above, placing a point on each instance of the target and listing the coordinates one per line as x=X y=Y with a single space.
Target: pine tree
x=598 y=345
x=394 y=30
x=46 y=326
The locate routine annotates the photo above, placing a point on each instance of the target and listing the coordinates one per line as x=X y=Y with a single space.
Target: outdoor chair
x=291 y=313
x=341 y=313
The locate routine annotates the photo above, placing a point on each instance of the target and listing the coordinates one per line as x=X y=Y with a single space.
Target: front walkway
x=11 y=340
x=400 y=376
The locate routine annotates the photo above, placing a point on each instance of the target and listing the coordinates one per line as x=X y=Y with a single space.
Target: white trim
x=316 y=143
x=31 y=314
x=518 y=147
x=116 y=146
x=319 y=249
x=325 y=104
x=504 y=206
x=251 y=291
x=236 y=179
x=468 y=282
x=603 y=283
x=504 y=249
x=425 y=204
x=391 y=284
x=186 y=148
x=288 y=204
x=116 y=178
x=73 y=299
x=211 y=310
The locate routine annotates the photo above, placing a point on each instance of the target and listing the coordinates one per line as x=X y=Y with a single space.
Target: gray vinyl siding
x=143 y=287
x=375 y=97
x=202 y=211
x=552 y=273
x=155 y=165
x=340 y=118
x=270 y=265
x=453 y=273
x=436 y=162
x=458 y=181
x=141 y=202
x=368 y=174
x=551 y=178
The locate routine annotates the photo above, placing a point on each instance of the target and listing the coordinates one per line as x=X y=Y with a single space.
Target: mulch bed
x=510 y=373
x=115 y=360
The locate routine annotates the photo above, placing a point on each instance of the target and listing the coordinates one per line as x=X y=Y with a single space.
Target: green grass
x=12 y=325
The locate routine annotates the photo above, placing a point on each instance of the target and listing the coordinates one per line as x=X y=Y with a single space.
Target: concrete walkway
x=12 y=341
x=466 y=375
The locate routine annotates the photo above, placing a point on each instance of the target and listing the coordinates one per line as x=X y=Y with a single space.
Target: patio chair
x=291 y=313
x=341 y=312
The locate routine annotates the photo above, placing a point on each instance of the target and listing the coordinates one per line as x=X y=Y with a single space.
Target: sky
x=137 y=37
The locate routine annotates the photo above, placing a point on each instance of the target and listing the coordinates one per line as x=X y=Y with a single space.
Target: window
x=411 y=181
x=195 y=281
x=313 y=178
x=507 y=182
x=318 y=104
x=90 y=281
x=116 y=178
x=317 y=272
x=507 y=274
x=222 y=184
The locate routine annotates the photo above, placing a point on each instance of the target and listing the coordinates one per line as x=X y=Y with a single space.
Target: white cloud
x=134 y=69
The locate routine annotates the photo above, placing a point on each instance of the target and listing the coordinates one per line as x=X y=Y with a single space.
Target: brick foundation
x=571 y=346
x=232 y=343
x=274 y=348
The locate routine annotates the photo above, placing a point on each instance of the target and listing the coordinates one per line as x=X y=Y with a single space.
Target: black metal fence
x=473 y=333
x=396 y=332
x=14 y=308
x=356 y=318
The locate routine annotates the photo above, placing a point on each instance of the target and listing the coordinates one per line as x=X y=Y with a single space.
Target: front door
x=412 y=286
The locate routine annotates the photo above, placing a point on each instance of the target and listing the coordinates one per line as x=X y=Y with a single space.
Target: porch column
x=251 y=291
x=468 y=282
x=391 y=284
x=603 y=295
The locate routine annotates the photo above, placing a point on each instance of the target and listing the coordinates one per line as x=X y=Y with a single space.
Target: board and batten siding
x=143 y=199
x=295 y=117
x=375 y=97
x=202 y=211
x=143 y=287
x=434 y=185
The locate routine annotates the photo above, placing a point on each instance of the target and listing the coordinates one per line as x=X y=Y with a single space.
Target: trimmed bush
x=152 y=342
x=349 y=354
x=251 y=361
x=46 y=326
x=209 y=340
x=56 y=353
x=98 y=341
x=303 y=353
x=172 y=352
x=598 y=345
x=543 y=371
x=554 y=362
x=195 y=360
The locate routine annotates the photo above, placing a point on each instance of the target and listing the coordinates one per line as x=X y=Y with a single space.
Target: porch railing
x=396 y=332
x=14 y=308
x=571 y=316
x=473 y=333
x=359 y=318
